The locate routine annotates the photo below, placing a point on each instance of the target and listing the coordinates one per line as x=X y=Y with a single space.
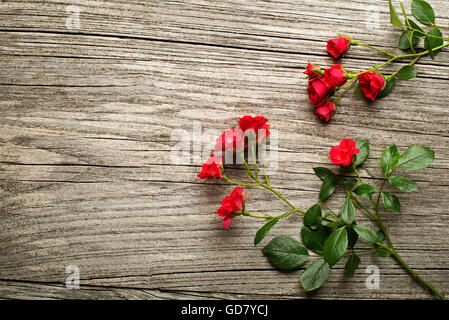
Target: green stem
x=424 y=33
x=372 y=47
x=415 y=275
x=421 y=54
x=270 y=188
x=239 y=183
x=267 y=178
x=331 y=211
x=348 y=86
x=280 y=196
x=248 y=169
x=270 y=217
x=357 y=202
x=354 y=167
x=410 y=64
x=357 y=173
x=254 y=159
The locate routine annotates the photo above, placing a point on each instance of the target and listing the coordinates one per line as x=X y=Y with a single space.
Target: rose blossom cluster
x=235 y=140
x=325 y=83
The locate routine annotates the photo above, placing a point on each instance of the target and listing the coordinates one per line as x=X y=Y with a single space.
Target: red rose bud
x=326 y=111
x=312 y=71
x=318 y=91
x=371 y=84
x=335 y=76
x=336 y=47
x=212 y=168
x=344 y=153
x=231 y=205
x=258 y=125
x=230 y=140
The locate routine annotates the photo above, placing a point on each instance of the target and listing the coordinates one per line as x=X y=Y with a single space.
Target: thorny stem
x=415 y=275
x=390 y=248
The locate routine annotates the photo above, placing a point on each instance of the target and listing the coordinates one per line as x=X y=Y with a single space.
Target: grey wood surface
x=87 y=117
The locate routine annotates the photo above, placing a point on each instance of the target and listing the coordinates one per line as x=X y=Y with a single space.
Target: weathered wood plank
x=85 y=140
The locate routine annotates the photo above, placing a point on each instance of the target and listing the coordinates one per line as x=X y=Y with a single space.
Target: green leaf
x=404 y=43
x=315 y=275
x=351 y=265
x=429 y=48
x=285 y=253
x=403 y=184
x=365 y=190
x=350 y=183
x=416 y=158
x=407 y=73
x=358 y=92
x=312 y=218
x=335 y=246
x=423 y=12
x=314 y=239
x=391 y=202
x=323 y=173
x=328 y=187
x=363 y=146
x=333 y=224
x=381 y=236
x=417 y=27
x=410 y=40
x=394 y=18
x=352 y=237
x=404 y=13
x=389 y=86
x=382 y=253
x=366 y=233
x=431 y=42
x=262 y=232
x=389 y=159
x=347 y=212
x=409 y=37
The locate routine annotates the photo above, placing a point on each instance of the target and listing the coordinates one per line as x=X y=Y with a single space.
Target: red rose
x=326 y=111
x=232 y=204
x=212 y=168
x=313 y=71
x=336 y=47
x=230 y=140
x=371 y=84
x=258 y=125
x=335 y=76
x=344 y=153
x=318 y=90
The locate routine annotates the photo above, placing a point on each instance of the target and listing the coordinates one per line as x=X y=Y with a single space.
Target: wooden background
x=87 y=117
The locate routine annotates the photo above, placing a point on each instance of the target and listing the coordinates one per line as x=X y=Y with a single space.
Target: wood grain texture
x=87 y=117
